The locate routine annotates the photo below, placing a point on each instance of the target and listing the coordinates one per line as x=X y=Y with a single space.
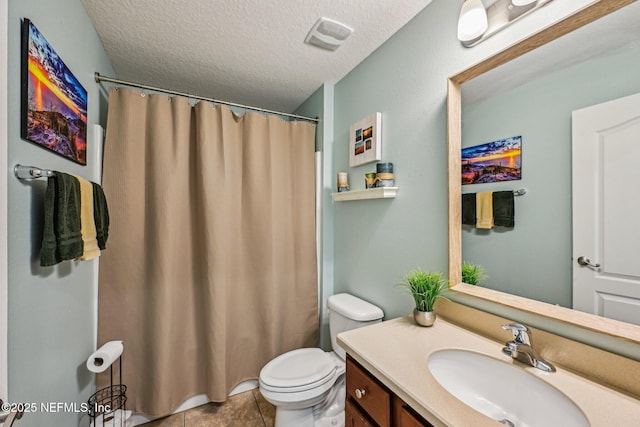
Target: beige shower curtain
x=210 y=269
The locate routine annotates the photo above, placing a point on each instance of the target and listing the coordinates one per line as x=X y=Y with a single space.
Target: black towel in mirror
x=503 y=209
x=469 y=209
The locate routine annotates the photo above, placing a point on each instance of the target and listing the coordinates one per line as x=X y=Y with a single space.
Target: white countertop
x=396 y=352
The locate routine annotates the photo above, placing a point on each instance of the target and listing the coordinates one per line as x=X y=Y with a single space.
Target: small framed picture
x=365 y=140
x=54 y=103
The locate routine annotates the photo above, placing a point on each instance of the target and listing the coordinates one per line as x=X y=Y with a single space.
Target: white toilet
x=307 y=385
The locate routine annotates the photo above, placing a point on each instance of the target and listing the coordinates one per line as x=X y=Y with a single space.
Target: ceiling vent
x=328 y=34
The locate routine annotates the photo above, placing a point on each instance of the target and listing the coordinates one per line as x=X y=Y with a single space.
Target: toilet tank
x=348 y=312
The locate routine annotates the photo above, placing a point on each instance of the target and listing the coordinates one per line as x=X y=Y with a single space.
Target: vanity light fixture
x=477 y=22
x=473 y=22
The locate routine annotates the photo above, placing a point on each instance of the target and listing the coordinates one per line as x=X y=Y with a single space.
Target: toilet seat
x=298 y=370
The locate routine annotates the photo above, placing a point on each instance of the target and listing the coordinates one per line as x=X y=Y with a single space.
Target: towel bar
x=520 y=192
x=31 y=172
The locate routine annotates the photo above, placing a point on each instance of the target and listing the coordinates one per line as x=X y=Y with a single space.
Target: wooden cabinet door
x=372 y=397
x=371 y=404
x=404 y=416
x=353 y=416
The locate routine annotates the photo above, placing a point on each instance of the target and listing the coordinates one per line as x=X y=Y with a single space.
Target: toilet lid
x=298 y=370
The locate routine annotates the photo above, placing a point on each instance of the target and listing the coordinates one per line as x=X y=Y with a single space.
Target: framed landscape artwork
x=496 y=161
x=365 y=145
x=54 y=103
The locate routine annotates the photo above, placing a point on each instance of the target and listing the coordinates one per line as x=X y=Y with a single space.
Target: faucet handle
x=521 y=333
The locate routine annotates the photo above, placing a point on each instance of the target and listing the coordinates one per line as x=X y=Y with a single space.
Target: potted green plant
x=473 y=273
x=425 y=287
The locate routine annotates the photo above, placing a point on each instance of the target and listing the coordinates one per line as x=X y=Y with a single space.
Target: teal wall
x=540 y=111
x=52 y=311
x=377 y=241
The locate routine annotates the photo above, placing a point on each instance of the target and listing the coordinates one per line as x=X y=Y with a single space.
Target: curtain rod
x=100 y=78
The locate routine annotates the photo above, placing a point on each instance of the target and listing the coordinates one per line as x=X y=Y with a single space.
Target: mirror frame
x=578 y=19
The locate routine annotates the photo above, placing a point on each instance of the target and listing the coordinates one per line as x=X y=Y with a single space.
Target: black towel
x=100 y=216
x=62 y=238
x=469 y=209
x=503 y=209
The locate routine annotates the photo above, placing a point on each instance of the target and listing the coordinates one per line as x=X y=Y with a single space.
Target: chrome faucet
x=521 y=348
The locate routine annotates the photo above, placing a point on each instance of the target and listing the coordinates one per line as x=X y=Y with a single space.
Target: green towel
x=100 y=216
x=62 y=239
x=503 y=209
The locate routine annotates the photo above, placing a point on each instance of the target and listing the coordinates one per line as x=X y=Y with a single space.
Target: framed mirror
x=561 y=49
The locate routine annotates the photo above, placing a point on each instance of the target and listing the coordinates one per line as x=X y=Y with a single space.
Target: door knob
x=586 y=262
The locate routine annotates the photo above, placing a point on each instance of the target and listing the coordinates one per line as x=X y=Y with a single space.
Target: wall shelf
x=370 y=193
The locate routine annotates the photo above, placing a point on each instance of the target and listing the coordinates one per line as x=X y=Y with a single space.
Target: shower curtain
x=211 y=265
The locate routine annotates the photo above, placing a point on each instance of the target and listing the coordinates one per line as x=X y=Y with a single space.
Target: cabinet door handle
x=360 y=393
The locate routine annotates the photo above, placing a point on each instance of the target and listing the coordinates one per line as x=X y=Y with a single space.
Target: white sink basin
x=504 y=392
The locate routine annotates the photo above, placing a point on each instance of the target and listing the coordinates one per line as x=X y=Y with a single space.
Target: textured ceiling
x=245 y=51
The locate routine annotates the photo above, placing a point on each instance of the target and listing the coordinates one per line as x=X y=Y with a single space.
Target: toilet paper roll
x=105 y=356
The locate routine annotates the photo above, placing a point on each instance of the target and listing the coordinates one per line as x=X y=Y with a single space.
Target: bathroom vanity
x=389 y=363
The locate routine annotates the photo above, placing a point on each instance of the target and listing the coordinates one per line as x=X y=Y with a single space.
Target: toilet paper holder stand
x=104 y=403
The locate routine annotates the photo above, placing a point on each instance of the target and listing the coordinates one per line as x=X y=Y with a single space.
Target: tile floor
x=248 y=409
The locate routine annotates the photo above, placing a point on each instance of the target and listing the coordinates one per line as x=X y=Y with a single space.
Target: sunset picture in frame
x=54 y=103
x=495 y=161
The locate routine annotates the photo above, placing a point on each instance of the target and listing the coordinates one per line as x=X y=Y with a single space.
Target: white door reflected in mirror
x=606 y=236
